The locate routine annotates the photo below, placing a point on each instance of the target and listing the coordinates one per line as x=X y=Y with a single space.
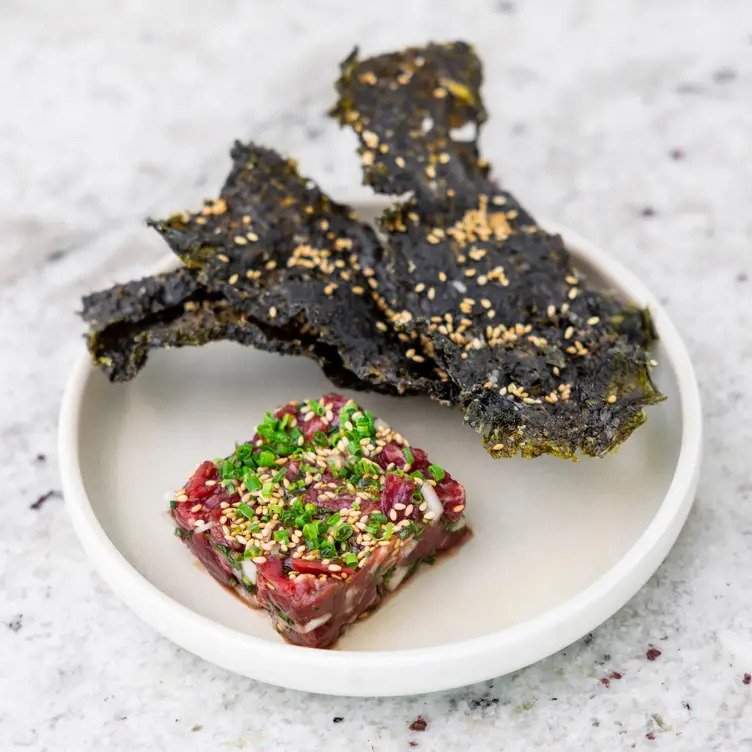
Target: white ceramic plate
x=558 y=546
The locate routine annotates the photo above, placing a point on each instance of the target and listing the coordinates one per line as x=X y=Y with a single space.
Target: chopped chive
x=350 y=559
x=282 y=536
x=316 y=407
x=251 y=481
x=245 y=510
x=266 y=458
x=343 y=532
x=320 y=439
x=311 y=531
x=438 y=472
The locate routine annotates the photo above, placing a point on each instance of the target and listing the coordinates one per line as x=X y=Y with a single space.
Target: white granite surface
x=630 y=121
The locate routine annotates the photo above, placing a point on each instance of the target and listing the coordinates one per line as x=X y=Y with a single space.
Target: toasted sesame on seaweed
x=172 y=310
x=543 y=362
x=417 y=114
x=279 y=249
x=465 y=298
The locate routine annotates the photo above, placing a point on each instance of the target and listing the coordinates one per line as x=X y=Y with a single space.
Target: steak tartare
x=318 y=516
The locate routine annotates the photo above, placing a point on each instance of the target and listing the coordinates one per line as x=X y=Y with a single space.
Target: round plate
x=558 y=546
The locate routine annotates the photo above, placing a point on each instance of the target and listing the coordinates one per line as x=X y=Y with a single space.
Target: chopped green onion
x=438 y=472
x=251 y=481
x=408 y=455
x=245 y=510
x=266 y=458
x=327 y=550
x=320 y=439
x=350 y=559
x=316 y=407
x=343 y=532
x=311 y=531
x=281 y=535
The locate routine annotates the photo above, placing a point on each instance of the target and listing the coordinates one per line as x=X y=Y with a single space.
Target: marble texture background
x=630 y=121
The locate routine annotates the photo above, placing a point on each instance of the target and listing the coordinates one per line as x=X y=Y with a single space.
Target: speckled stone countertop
x=630 y=121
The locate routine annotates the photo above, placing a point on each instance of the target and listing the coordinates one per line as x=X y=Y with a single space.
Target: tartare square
x=324 y=511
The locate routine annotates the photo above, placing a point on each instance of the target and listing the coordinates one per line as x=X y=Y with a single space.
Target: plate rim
x=410 y=670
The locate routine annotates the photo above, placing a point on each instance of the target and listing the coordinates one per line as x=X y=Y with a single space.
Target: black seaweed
x=543 y=363
x=466 y=298
x=280 y=250
x=417 y=114
x=174 y=310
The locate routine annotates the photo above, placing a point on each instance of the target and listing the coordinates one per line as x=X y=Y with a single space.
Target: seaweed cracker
x=417 y=114
x=542 y=362
x=173 y=309
x=280 y=250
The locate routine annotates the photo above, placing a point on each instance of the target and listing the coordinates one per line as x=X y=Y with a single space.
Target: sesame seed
x=240 y=240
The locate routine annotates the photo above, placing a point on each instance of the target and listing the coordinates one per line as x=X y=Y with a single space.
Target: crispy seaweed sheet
x=463 y=296
x=543 y=363
x=283 y=253
x=173 y=309
x=417 y=114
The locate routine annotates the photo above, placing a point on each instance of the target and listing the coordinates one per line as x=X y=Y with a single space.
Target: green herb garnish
x=245 y=510
x=437 y=472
